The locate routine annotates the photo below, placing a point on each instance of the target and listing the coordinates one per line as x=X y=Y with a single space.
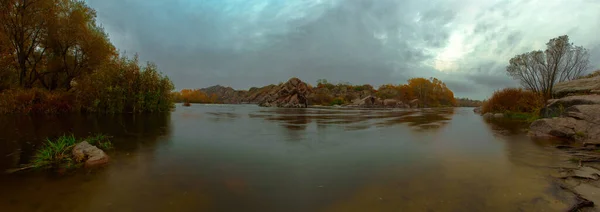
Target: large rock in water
x=579 y=122
x=578 y=86
x=292 y=94
x=92 y=155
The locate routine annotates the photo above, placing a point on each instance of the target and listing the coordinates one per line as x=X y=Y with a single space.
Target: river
x=247 y=158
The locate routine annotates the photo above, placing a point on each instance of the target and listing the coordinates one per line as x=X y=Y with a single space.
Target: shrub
x=513 y=100
x=124 y=87
x=337 y=101
x=36 y=101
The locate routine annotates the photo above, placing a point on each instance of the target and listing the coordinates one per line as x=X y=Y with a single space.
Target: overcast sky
x=245 y=43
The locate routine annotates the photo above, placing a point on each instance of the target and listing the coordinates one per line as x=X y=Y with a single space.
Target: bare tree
x=539 y=71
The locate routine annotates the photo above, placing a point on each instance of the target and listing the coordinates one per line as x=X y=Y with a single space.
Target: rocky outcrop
x=257 y=95
x=414 y=103
x=578 y=86
x=92 y=155
x=579 y=122
x=292 y=94
x=555 y=107
x=225 y=95
x=368 y=102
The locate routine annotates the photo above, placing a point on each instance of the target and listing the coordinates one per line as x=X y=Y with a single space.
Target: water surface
x=247 y=158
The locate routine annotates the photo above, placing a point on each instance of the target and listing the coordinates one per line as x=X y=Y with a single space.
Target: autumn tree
x=24 y=24
x=431 y=92
x=76 y=45
x=538 y=71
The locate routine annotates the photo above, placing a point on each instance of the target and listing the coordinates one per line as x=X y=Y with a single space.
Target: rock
x=577 y=86
x=498 y=115
x=292 y=94
x=92 y=155
x=579 y=122
x=555 y=107
x=477 y=110
x=414 y=103
x=225 y=95
x=586 y=172
x=390 y=103
x=488 y=116
x=369 y=102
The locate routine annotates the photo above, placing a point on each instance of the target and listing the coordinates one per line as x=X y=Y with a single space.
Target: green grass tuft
x=55 y=153
x=100 y=140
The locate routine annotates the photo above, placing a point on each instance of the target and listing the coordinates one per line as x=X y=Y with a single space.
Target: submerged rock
x=92 y=155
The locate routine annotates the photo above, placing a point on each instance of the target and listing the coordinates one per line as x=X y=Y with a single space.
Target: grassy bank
x=57 y=153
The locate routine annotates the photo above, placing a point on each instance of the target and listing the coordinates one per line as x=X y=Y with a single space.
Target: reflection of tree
x=22 y=135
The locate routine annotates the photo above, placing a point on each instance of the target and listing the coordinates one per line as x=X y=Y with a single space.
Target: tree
x=538 y=71
x=23 y=22
x=76 y=44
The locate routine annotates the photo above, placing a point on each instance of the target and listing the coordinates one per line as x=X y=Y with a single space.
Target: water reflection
x=299 y=119
x=21 y=136
x=246 y=158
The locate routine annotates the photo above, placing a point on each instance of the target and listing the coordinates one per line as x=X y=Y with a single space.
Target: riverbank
x=572 y=119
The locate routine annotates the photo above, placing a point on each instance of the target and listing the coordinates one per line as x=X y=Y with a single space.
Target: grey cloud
x=254 y=43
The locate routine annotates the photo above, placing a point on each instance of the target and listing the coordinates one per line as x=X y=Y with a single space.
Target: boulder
x=488 y=116
x=556 y=107
x=578 y=86
x=292 y=94
x=390 y=103
x=579 y=122
x=477 y=110
x=92 y=155
x=498 y=115
x=368 y=102
x=414 y=103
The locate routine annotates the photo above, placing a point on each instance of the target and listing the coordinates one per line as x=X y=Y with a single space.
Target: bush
x=36 y=101
x=337 y=101
x=513 y=100
x=125 y=87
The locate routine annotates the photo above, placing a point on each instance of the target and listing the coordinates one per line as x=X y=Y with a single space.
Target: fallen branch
x=12 y=171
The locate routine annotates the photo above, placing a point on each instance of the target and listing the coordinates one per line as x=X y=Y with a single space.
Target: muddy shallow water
x=246 y=158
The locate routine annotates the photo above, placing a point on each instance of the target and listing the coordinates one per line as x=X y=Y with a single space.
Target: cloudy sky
x=245 y=43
